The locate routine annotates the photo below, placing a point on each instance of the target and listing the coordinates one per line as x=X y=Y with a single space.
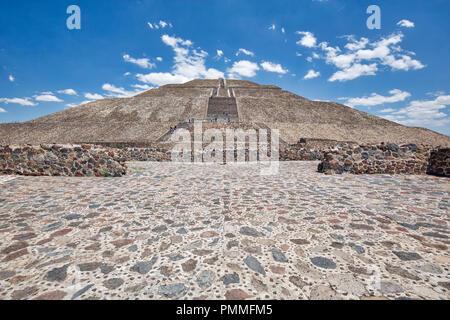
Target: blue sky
x=321 y=50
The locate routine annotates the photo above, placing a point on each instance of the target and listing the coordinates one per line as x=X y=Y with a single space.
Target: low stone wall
x=93 y=160
x=288 y=153
x=61 y=160
x=144 y=154
x=439 y=163
x=382 y=158
x=300 y=152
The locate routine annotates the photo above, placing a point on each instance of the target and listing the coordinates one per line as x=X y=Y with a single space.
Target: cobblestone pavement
x=171 y=231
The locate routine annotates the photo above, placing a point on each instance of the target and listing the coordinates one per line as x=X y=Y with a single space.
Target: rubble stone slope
x=145 y=118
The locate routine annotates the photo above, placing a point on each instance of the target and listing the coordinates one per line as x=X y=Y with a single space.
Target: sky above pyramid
x=319 y=49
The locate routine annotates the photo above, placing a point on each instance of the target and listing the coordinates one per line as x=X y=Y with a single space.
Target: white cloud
x=93 y=96
x=47 y=98
x=219 y=53
x=403 y=63
x=355 y=44
x=161 y=24
x=308 y=39
x=298 y=54
x=273 y=67
x=355 y=71
x=2 y=110
x=189 y=64
x=387 y=110
x=436 y=93
x=142 y=86
x=420 y=108
x=70 y=92
x=363 y=57
x=21 y=101
x=311 y=74
x=159 y=59
x=118 y=92
x=375 y=99
x=126 y=74
x=243 y=68
x=405 y=23
x=114 y=91
x=143 y=62
x=12 y=79
x=162 y=78
x=423 y=113
x=283 y=31
x=272 y=27
x=244 y=51
x=176 y=42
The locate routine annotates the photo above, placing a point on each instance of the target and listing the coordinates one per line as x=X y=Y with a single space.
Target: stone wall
x=61 y=160
x=381 y=158
x=290 y=153
x=93 y=160
x=299 y=153
x=144 y=154
x=439 y=163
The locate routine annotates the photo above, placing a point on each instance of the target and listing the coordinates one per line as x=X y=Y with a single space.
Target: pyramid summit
x=147 y=118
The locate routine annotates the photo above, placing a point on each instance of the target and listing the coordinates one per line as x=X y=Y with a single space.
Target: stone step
x=222 y=108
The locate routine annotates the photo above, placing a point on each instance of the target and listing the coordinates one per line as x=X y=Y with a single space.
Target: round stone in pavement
x=323 y=262
x=57 y=274
x=52 y=226
x=322 y=292
x=297 y=281
x=159 y=229
x=52 y=295
x=279 y=256
x=230 y=278
x=176 y=290
x=254 y=264
x=89 y=266
x=386 y=287
x=6 y=274
x=431 y=268
x=205 y=278
x=407 y=256
x=357 y=248
x=133 y=248
x=237 y=294
x=189 y=265
x=347 y=283
x=142 y=267
x=247 y=231
x=113 y=283
x=72 y=216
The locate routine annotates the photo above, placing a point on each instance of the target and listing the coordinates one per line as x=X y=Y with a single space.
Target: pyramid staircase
x=222 y=104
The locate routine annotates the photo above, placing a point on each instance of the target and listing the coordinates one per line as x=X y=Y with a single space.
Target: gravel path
x=171 y=231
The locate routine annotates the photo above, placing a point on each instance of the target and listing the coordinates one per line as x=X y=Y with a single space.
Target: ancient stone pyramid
x=146 y=118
